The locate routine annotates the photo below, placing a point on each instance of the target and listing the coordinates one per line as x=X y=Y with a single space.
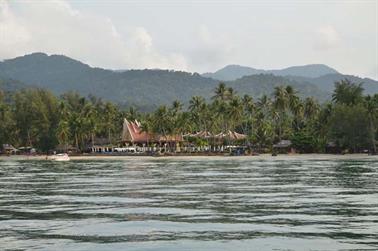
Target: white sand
x=260 y=157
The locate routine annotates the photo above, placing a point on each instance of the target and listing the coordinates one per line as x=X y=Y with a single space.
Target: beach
x=194 y=157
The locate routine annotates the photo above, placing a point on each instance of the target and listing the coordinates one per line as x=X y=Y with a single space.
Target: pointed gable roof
x=132 y=132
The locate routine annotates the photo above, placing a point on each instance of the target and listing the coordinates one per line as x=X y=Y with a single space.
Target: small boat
x=59 y=157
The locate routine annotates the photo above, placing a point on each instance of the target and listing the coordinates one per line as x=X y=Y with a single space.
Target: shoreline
x=314 y=156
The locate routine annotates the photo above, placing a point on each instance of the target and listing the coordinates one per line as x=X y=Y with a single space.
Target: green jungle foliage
x=36 y=117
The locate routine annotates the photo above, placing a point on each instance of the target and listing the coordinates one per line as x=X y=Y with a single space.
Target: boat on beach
x=59 y=157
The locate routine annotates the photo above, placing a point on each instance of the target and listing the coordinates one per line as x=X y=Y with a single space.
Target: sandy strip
x=259 y=157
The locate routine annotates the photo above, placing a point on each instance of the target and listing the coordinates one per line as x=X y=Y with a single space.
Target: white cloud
x=195 y=36
x=55 y=27
x=210 y=50
x=327 y=38
x=13 y=34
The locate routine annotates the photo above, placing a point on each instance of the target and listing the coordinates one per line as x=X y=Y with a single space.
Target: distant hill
x=233 y=72
x=322 y=76
x=326 y=82
x=260 y=84
x=145 y=89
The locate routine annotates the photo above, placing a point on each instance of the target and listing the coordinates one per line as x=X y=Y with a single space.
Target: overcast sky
x=198 y=35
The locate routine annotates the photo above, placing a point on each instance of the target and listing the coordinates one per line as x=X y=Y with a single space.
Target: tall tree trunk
x=29 y=139
x=76 y=141
x=372 y=132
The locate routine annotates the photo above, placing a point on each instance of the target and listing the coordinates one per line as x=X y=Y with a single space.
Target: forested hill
x=233 y=72
x=320 y=75
x=265 y=83
x=326 y=82
x=142 y=88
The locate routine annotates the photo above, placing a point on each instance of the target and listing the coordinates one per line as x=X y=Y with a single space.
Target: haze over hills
x=233 y=72
x=148 y=88
x=319 y=75
x=325 y=82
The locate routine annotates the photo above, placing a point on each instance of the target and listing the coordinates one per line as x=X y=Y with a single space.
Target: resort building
x=132 y=134
x=101 y=145
x=135 y=140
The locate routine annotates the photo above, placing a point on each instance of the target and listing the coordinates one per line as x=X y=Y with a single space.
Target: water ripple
x=203 y=204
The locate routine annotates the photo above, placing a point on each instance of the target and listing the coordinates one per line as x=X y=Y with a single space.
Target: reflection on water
x=204 y=204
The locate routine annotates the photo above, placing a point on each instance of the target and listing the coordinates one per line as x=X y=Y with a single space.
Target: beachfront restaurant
x=101 y=145
x=135 y=140
x=133 y=136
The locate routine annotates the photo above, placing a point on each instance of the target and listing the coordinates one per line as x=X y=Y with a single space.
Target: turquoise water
x=185 y=204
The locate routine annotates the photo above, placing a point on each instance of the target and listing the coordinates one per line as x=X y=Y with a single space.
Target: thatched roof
x=200 y=134
x=230 y=135
x=235 y=136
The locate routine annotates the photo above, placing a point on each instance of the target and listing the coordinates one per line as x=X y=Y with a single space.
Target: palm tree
x=177 y=106
x=7 y=122
x=311 y=108
x=293 y=100
x=197 y=107
x=280 y=98
x=90 y=122
x=184 y=123
x=221 y=92
x=132 y=114
x=280 y=103
x=230 y=93
x=321 y=122
x=249 y=110
x=348 y=93
x=264 y=130
x=264 y=104
x=235 y=112
x=63 y=133
x=110 y=115
x=220 y=108
x=162 y=121
x=147 y=126
x=371 y=105
x=75 y=125
x=178 y=120
x=297 y=110
x=196 y=103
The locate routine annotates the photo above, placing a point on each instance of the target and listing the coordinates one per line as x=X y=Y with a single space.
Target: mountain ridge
x=147 y=88
x=233 y=71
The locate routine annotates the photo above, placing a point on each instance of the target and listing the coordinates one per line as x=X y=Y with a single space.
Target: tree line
x=35 y=117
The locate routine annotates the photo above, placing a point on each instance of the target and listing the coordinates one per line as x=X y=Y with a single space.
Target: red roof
x=132 y=132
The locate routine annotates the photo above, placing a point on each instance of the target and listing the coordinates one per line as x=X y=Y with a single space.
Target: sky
x=196 y=36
